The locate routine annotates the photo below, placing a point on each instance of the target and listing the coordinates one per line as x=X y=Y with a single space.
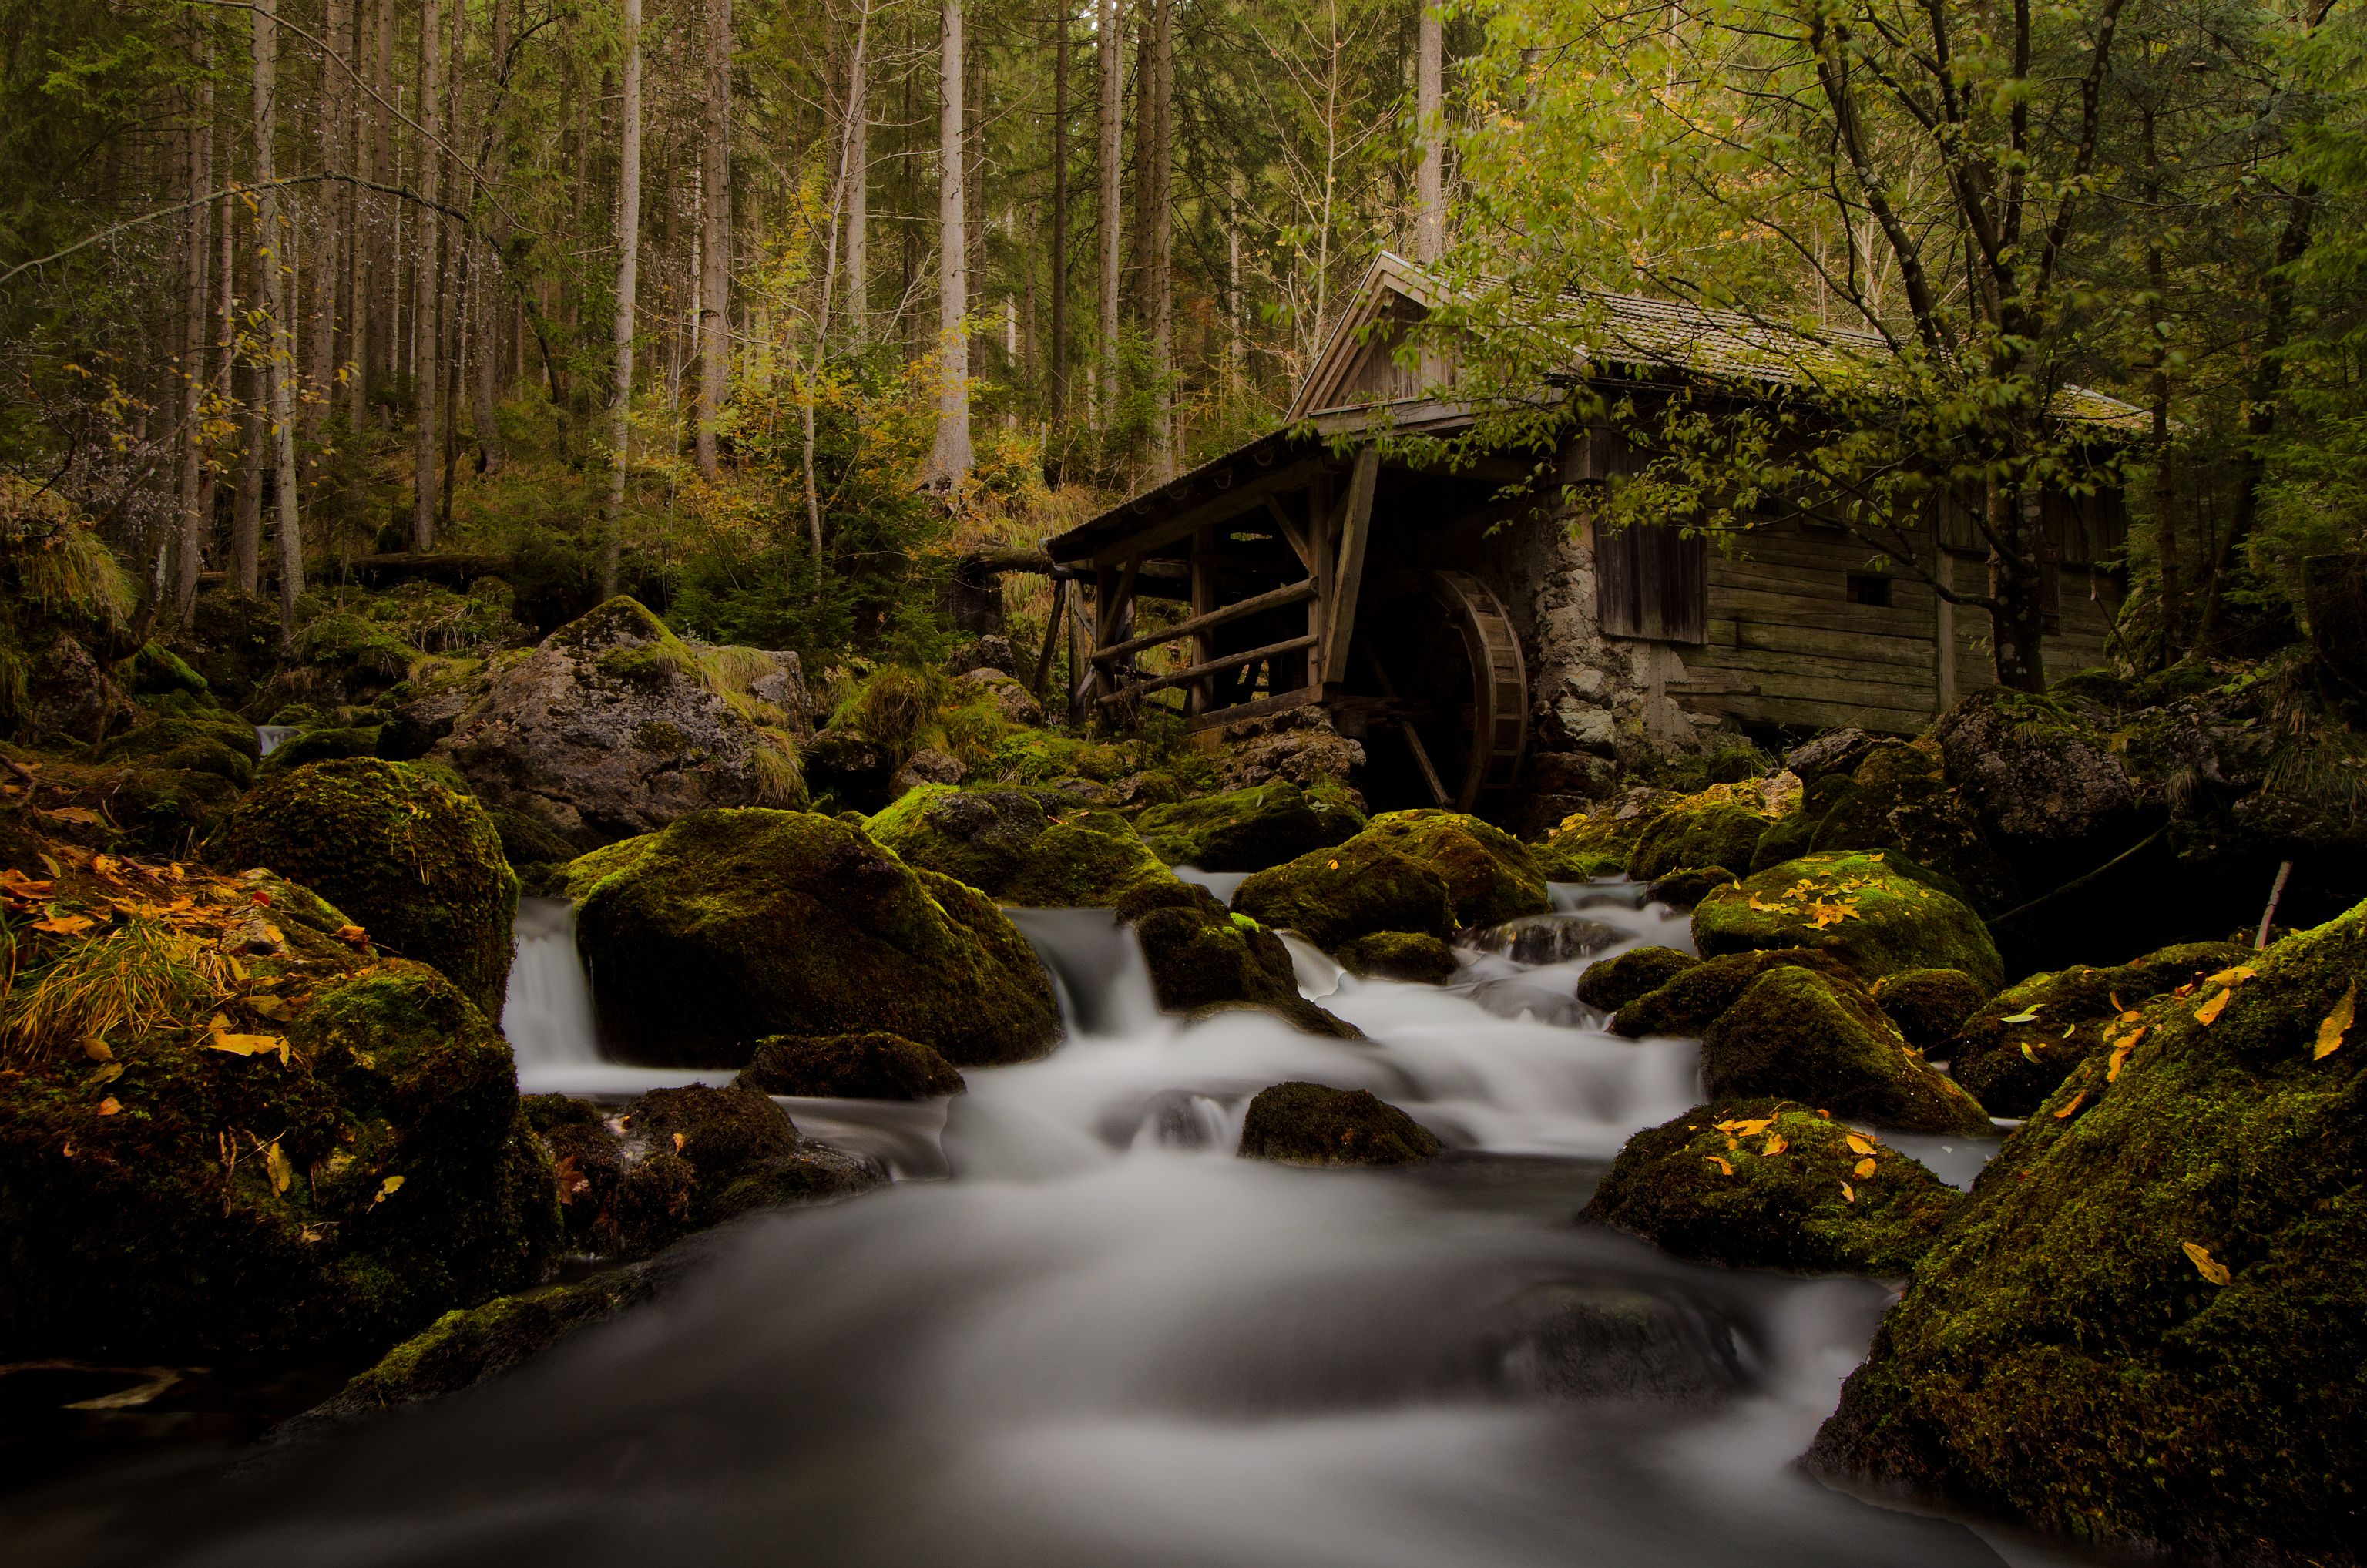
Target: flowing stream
x=1107 y=1341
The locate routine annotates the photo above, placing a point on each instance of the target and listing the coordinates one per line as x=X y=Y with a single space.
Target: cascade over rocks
x=1250 y=829
x=1004 y=843
x=416 y=862
x=1761 y=1183
x=2146 y=1328
x=1805 y=1036
x=613 y=726
x=1203 y=958
x=731 y=926
x=1873 y=912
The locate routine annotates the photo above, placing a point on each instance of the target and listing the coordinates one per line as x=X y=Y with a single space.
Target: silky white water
x=1107 y=1341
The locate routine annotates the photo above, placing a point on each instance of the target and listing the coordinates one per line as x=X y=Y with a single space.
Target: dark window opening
x=1866 y=588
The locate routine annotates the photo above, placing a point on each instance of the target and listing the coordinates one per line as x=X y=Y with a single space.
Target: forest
x=1182 y=781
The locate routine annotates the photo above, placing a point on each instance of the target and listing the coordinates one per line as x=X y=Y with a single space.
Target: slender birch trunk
x=1430 y=176
x=858 y=197
x=949 y=460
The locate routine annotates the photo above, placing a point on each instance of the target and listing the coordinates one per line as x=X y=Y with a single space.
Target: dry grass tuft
x=138 y=978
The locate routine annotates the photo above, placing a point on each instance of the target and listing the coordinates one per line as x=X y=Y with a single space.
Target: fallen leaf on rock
x=1849 y=1193
x=387 y=1189
x=2028 y=1054
x=1722 y=1169
x=1776 y=1144
x=353 y=933
x=16 y=882
x=1860 y=1144
x=2235 y=975
x=96 y=1048
x=2209 y=1268
x=2335 y=1025
x=250 y=1045
x=109 y=1106
x=2209 y=1012
x=65 y=925
x=1751 y=1129
x=275 y=1008
x=2071 y=1104
x=2028 y=1018
x=107 y=1073
x=81 y=814
x=276 y=1165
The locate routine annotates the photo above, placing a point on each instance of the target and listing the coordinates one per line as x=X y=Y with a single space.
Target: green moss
x=1761 y=1183
x=2061 y=1358
x=1311 y=1124
x=1696 y=832
x=1400 y=955
x=1686 y=887
x=1597 y=844
x=1800 y=1035
x=203 y=742
x=156 y=669
x=467 y=1346
x=2014 y=1051
x=1004 y=843
x=1201 y=956
x=871 y=1066
x=1332 y=895
x=1489 y=874
x=1929 y=1005
x=321 y=745
x=1870 y=910
x=416 y=862
x=730 y=927
x=1248 y=830
x=1609 y=985
x=1695 y=995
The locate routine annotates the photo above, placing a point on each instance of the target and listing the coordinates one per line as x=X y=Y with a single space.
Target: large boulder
x=1593 y=844
x=1400 y=955
x=1773 y=1184
x=1612 y=983
x=1331 y=896
x=1248 y=830
x=869 y=1066
x=1489 y=874
x=202 y=1193
x=416 y=862
x=1897 y=799
x=740 y=1152
x=2146 y=1330
x=1013 y=700
x=2026 y=1040
x=1202 y=956
x=1298 y=745
x=613 y=726
x=1800 y=1035
x=1870 y=910
x=730 y=927
x=1696 y=994
x=1929 y=1005
x=2035 y=768
x=1312 y=1124
x=1004 y=843
x=190 y=738
x=1697 y=831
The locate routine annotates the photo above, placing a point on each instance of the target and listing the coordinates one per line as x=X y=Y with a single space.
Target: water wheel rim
x=1495 y=738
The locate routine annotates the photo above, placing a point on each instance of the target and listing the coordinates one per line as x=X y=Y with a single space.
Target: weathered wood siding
x=2087 y=602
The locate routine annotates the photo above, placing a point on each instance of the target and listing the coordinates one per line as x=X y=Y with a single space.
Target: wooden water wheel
x=1451 y=664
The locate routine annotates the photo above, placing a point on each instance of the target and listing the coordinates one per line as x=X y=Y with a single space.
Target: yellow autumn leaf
x=1860 y=1145
x=2209 y=1268
x=1330 y=865
x=2233 y=976
x=2071 y=1104
x=65 y=925
x=1776 y=1144
x=1749 y=1129
x=2030 y=1016
x=251 y=1045
x=1722 y=1169
x=1849 y=1193
x=107 y=1073
x=387 y=1189
x=96 y=1048
x=1864 y=1168
x=275 y=1008
x=83 y=814
x=109 y=1106
x=2209 y=1012
x=2337 y=1024
x=276 y=1165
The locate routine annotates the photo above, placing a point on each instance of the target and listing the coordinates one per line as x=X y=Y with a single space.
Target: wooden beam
x=1221 y=507
x=1355 y=528
x=1413 y=736
x=1288 y=594
x=1051 y=631
x=1293 y=535
x=1226 y=662
x=1200 y=699
x=1280 y=702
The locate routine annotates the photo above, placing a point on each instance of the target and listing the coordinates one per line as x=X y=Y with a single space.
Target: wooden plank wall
x=2087 y=602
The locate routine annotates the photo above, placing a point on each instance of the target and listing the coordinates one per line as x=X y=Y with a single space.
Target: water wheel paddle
x=1456 y=665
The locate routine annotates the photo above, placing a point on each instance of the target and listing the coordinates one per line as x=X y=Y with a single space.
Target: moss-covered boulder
x=1929 y=1005
x=731 y=926
x=1004 y=843
x=868 y=1067
x=1312 y=1124
x=2037 y=769
x=322 y=745
x=1796 y=1034
x=1687 y=886
x=1611 y=983
x=1696 y=831
x=697 y=1157
x=416 y=862
x=194 y=1197
x=2147 y=1328
x=1331 y=896
x=1248 y=830
x=1773 y=1184
x=1489 y=874
x=1870 y=910
x=1696 y=996
x=1202 y=956
x=2015 y=1049
x=1400 y=955
x=1899 y=799
x=195 y=739
x=1597 y=843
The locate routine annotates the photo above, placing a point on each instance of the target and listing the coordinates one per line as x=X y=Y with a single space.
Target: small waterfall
x=1224 y=884
x=270 y=737
x=1098 y=973
x=548 y=1015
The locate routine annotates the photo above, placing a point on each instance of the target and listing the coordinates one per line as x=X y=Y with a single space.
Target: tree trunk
x=629 y=260
x=425 y=379
x=488 y=259
x=1056 y=381
x=818 y=350
x=452 y=269
x=359 y=224
x=1430 y=176
x=197 y=368
x=1158 y=286
x=276 y=255
x=1109 y=61
x=385 y=256
x=2018 y=623
x=858 y=197
x=327 y=251
x=949 y=460
x=714 y=244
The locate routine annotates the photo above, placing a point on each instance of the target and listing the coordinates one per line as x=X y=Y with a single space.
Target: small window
x=1867 y=588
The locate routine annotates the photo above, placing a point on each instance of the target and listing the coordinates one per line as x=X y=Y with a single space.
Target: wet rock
x=1303 y=1015
x=1683 y=889
x=1013 y=702
x=1604 y=1342
x=416 y=863
x=1004 y=843
x=2035 y=768
x=731 y=927
x=588 y=1167
x=1489 y=874
x=1310 y=1124
x=200 y=1202
x=1869 y=910
x=68 y=695
x=1250 y=829
x=741 y=1152
x=1202 y=956
x=783 y=686
x=1696 y=994
x=1542 y=938
x=1801 y=1035
x=612 y=726
x=992 y=651
x=1400 y=955
x=1929 y=1005
x=1611 y=983
x=1899 y=801
x=871 y=1066
x=848 y=766
x=1834 y=751
x=1298 y=746
x=1700 y=830
x=323 y=746
x=2016 y=1048
x=1597 y=843
x=927 y=766
x=2146 y=1328
x=1331 y=896
x=196 y=739
x=1770 y=1182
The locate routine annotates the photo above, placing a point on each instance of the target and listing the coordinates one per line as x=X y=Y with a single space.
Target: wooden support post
x=1320 y=538
x=1944 y=631
x=1348 y=575
x=1051 y=631
x=1202 y=697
